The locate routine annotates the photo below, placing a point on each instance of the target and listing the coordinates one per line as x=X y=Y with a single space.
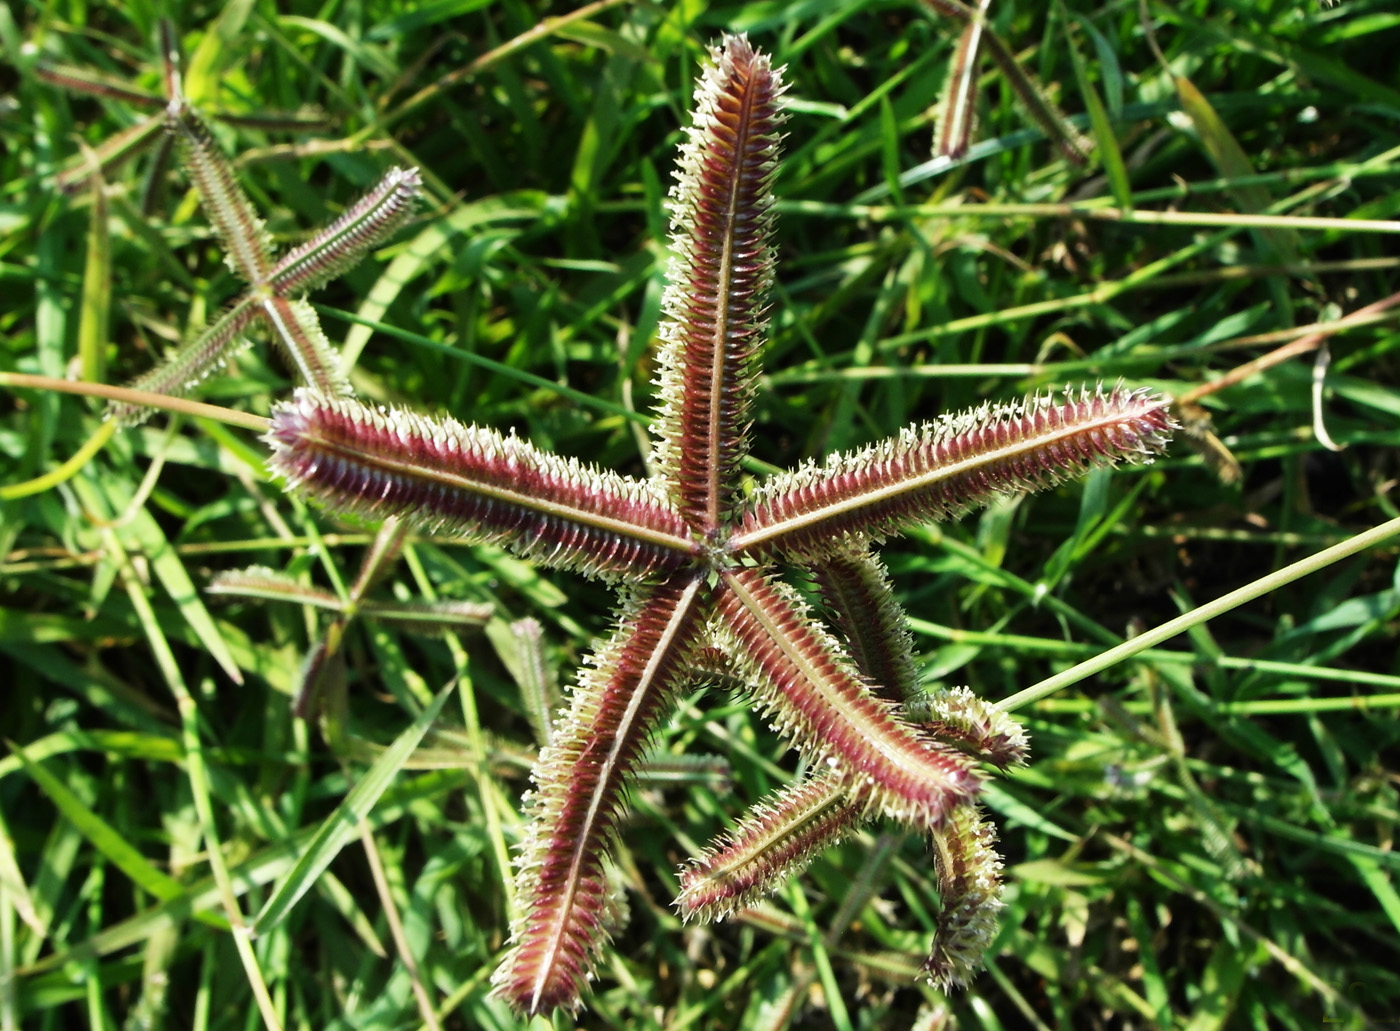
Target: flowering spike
x=716 y=303
x=971 y=724
x=947 y=467
x=957 y=108
x=340 y=246
x=95 y=84
x=954 y=127
x=270 y=585
x=193 y=363
x=580 y=782
x=776 y=839
x=815 y=697
x=969 y=888
x=698 y=555
x=466 y=481
x=297 y=332
x=856 y=592
x=247 y=248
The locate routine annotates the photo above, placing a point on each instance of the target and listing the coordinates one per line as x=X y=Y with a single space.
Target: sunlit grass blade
x=1105 y=140
x=141 y=534
x=12 y=884
x=93 y=318
x=342 y=826
x=429 y=616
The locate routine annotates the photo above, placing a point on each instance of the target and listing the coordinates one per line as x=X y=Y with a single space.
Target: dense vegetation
x=1203 y=835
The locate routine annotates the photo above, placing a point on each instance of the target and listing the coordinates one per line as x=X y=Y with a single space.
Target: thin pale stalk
x=1202 y=614
x=428 y=617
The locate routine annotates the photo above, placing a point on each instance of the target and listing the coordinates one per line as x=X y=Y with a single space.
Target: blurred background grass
x=1203 y=838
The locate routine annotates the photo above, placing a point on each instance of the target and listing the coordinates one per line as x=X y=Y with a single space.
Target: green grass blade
x=342 y=826
x=109 y=841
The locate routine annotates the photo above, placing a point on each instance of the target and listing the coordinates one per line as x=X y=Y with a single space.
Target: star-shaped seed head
x=699 y=563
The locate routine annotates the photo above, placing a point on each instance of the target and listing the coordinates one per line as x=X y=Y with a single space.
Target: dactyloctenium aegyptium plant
x=698 y=558
x=699 y=563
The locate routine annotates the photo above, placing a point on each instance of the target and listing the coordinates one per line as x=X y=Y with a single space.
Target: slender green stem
x=1203 y=613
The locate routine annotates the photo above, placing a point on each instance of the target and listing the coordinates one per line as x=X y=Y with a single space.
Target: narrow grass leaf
x=142 y=535
x=97 y=282
x=1378 y=880
x=1101 y=126
x=1232 y=162
x=108 y=840
x=12 y=885
x=342 y=826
